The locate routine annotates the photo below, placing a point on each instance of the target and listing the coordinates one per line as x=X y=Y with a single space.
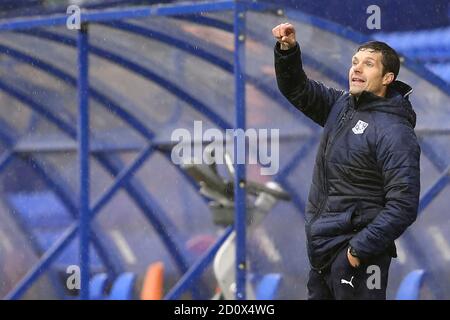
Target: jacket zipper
x=341 y=125
x=331 y=140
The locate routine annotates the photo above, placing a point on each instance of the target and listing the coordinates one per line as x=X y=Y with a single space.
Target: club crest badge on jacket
x=360 y=127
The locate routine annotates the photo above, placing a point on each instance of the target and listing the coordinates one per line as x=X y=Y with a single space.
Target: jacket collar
x=396 y=102
x=396 y=88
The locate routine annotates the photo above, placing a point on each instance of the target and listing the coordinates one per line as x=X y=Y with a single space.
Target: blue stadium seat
x=45 y=218
x=122 y=288
x=410 y=287
x=97 y=286
x=267 y=288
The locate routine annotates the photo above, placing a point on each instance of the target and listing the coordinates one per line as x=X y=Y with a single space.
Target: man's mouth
x=358 y=81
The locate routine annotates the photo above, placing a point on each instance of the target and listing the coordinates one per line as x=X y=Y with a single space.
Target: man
x=366 y=180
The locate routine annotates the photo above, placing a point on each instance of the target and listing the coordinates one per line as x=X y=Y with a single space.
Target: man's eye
x=369 y=64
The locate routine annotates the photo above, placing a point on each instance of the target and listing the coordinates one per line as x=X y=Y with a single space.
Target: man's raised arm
x=313 y=98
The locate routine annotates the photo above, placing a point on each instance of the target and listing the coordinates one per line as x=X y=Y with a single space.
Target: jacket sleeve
x=312 y=98
x=398 y=156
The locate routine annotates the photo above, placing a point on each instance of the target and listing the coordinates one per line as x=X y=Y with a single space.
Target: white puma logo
x=343 y=281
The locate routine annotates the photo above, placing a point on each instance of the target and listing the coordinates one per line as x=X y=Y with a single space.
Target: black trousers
x=341 y=281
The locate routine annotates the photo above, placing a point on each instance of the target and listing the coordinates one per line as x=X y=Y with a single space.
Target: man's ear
x=388 y=78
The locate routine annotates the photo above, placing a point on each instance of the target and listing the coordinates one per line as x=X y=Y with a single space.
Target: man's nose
x=357 y=68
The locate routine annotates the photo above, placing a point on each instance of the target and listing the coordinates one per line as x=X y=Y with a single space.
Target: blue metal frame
x=5 y=159
x=140 y=199
x=117 y=14
x=433 y=191
x=240 y=203
x=223 y=125
x=61 y=125
x=84 y=157
x=97 y=96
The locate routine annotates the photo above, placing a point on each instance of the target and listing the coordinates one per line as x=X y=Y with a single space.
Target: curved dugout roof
x=151 y=76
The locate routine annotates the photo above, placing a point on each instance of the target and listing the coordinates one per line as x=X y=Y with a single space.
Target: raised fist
x=285 y=35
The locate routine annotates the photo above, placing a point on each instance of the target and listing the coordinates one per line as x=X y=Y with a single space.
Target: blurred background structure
x=86 y=177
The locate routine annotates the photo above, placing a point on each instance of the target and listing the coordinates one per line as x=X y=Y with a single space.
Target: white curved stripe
x=401 y=253
x=440 y=242
x=123 y=246
x=5 y=242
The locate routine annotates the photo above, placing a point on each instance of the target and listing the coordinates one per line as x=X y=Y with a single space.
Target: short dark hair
x=390 y=58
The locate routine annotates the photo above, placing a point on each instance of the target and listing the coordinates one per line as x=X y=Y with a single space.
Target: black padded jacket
x=366 y=179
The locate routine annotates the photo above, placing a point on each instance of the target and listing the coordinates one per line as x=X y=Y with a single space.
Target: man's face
x=366 y=73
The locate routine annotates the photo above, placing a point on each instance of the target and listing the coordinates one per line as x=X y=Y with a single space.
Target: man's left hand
x=354 y=261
